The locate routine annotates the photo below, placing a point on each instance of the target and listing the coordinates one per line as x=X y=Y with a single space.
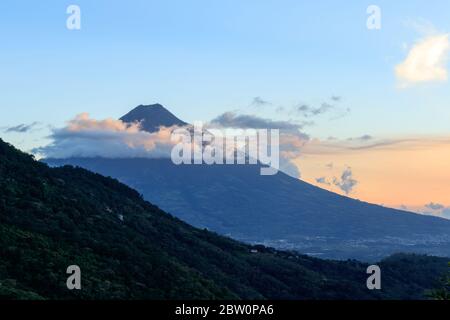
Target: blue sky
x=202 y=58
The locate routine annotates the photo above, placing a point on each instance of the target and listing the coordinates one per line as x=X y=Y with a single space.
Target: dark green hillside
x=127 y=248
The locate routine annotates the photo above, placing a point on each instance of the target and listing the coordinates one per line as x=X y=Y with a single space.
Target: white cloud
x=84 y=136
x=109 y=138
x=426 y=61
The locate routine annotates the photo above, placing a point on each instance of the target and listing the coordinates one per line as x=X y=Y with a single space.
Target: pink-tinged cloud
x=109 y=138
x=84 y=136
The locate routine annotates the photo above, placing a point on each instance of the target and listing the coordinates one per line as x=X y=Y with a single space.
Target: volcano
x=152 y=117
x=277 y=211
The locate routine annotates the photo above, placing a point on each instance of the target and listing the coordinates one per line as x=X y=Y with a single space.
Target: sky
x=373 y=102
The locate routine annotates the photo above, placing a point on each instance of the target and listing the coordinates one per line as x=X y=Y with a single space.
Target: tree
x=443 y=293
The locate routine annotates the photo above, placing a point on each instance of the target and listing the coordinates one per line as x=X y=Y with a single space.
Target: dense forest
x=127 y=248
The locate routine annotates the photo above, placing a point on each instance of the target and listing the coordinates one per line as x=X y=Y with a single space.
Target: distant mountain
x=127 y=248
x=278 y=211
x=152 y=117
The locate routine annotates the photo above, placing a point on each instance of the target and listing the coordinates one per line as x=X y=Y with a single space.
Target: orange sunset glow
x=410 y=172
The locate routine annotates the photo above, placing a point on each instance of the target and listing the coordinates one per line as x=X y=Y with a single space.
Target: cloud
x=109 y=138
x=436 y=209
x=259 y=102
x=426 y=61
x=305 y=110
x=365 y=137
x=288 y=167
x=333 y=145
x=308 y=111
x=21 y=128
x=434 y=206
x=346 y=183
x=322 y=180
x=280 y=109
x=336 y=98
x=240 y=121
x=292 y=139
x=379 y=144
x=291 y=145
x=446 y=213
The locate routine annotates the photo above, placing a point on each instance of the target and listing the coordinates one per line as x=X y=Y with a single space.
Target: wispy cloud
x=308 y=111
x=368 y=142
x=336 y=98
x=365 y=137
x=305 y=110
x=21 y=128
x=244 y=121
x=260 y=102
